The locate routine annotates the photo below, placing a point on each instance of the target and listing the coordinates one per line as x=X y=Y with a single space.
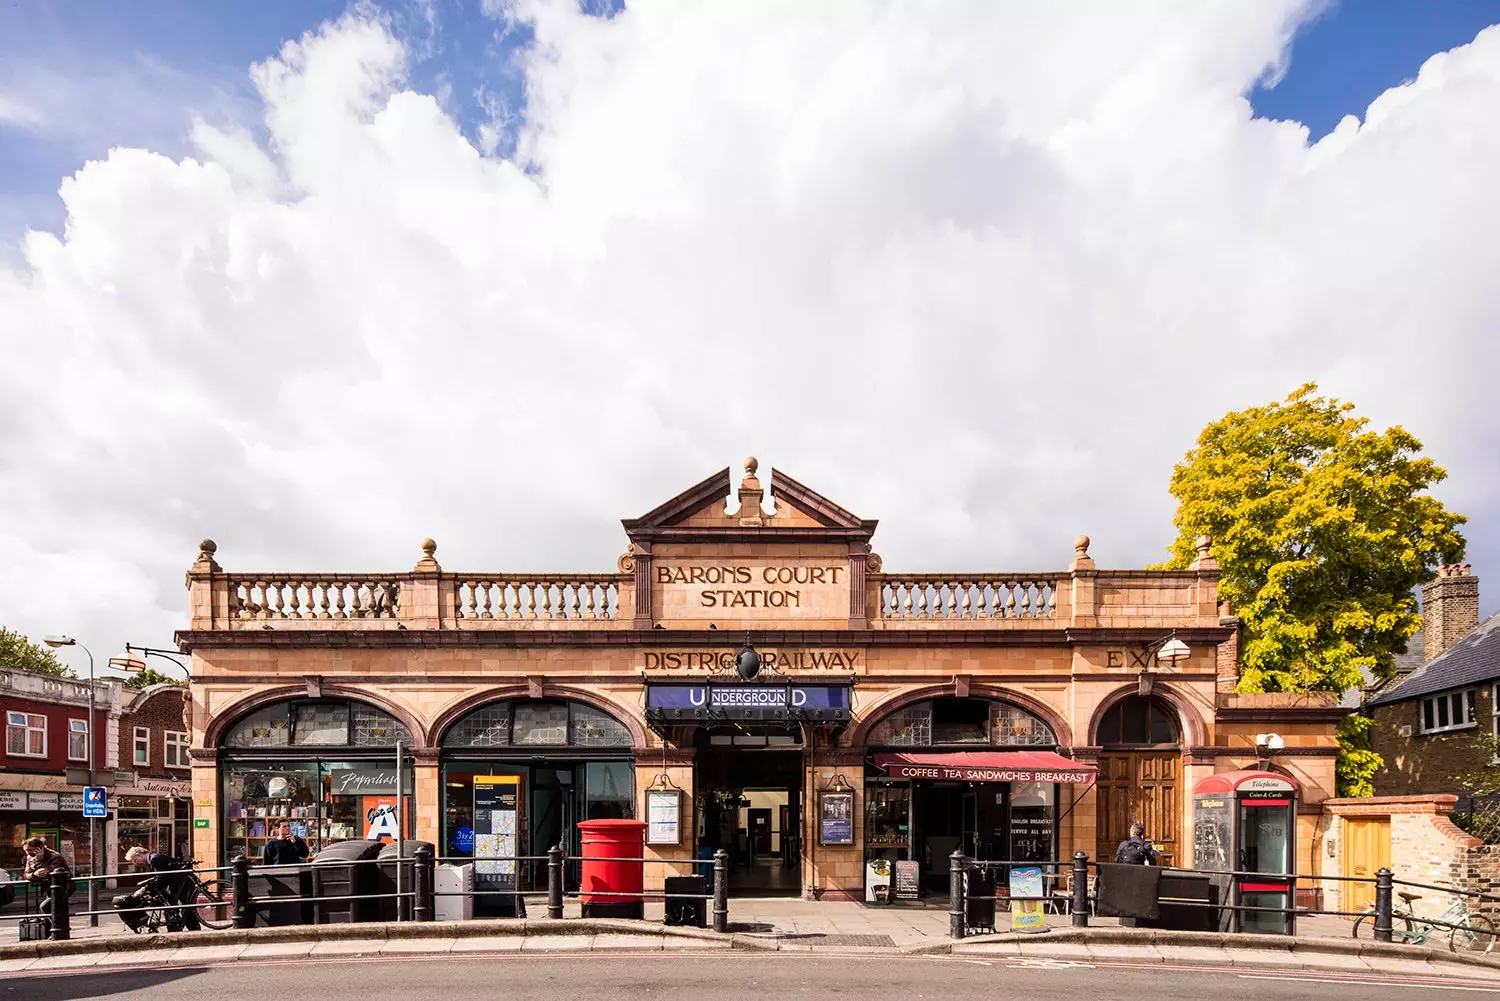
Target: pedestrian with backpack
x=1136 y=850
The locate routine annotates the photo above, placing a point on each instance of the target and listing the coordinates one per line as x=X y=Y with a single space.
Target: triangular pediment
x=706 y=508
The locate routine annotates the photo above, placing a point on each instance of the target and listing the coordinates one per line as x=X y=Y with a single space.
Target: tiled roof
x=1473 y=660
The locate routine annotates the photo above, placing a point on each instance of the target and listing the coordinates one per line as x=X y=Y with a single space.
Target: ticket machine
x=1246 y=822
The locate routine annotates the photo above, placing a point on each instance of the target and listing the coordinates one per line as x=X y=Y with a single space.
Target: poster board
x=1027 y=915
x=878 y=880
x=835 y=817
x=663 y=816
x=908 y=883
x=496 y=808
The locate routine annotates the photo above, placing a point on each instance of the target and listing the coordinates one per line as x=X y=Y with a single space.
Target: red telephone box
x=1246 y=821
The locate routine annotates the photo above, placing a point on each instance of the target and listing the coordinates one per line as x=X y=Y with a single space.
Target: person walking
x=284 y=849
x=1136 y=850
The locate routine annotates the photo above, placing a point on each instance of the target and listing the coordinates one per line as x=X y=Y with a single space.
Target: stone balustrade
x=553 y=597
x=961 y=597
x=328 y=597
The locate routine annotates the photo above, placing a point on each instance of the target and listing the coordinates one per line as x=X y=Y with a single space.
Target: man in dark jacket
x=41 y=863
x=1136 y=850
x=284 y=849
x=170 y=879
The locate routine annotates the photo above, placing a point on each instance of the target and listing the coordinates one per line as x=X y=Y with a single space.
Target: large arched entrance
x=1140 y=775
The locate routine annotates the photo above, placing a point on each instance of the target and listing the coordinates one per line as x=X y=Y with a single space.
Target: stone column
x=206 y=840
x=678 y=773
x=427 y=797
x=1081 y=603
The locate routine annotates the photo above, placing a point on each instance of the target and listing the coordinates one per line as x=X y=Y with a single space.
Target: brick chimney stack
x=1450 y=608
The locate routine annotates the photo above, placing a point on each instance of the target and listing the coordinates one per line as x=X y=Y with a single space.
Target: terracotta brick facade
x=429 y=645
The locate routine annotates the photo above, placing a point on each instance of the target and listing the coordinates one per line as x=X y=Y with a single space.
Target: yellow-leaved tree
x=1323 y=530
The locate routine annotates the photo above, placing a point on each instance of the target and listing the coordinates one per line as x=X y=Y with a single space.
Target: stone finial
x=428 y=562
x=1081 y=558
x=1205 y=560
x=751 y=496
x=205 y=561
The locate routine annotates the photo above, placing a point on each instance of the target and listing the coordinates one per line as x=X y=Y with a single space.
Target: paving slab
x=1127 y=952
x=16 y=965
x=1264 y=959
x=1463 y=970
x=986 y=949
x=671 y=943
x=1402 y=967
x=276 y=950
x=202 y=954
x=489 y=943
x=416 y=946
x=1056 y=950
x=68 y=961
x=1313 y=959
x=350 y=947
x=138 y=957
x=557 y=943
x=1197 y=955
x=634 y=943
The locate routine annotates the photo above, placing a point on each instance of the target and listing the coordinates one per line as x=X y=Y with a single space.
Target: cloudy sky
x=319 y=281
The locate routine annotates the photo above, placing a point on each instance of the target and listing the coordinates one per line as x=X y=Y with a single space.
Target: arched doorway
x=1140 y=775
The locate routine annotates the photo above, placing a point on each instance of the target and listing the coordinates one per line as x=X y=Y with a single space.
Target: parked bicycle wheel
x=213 y=908
x=1401 y=927
x=1476 y=937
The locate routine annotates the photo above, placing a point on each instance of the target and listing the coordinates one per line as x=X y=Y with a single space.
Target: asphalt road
x=717 y=977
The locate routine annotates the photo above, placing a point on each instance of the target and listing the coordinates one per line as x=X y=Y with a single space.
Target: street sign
x=200 y=821
x=94 y=802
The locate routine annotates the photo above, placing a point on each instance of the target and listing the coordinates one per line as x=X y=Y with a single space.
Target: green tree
x=147 y=677
x=1323 y=530
x=17 y=653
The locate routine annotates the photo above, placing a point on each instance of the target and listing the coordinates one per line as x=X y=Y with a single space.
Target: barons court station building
x=894 y=717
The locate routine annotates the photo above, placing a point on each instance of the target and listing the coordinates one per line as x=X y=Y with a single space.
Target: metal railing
x=243 y=907
x=1081 y=900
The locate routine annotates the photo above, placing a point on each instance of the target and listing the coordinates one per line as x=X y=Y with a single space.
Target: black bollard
x=721 y=891
x=1383 y=885
x=62 y=885
x=956 y=895
x=423 y=880
x=1081 y=890
x=239 y=888
x=555 y=882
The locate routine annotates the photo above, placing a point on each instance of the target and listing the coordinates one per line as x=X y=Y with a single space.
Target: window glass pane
x=376 y=728
x=541 y=723
x=909 y=727
x=258 y=797
x=1136 y=729
x=592 y=728
x=960 y=721
x=609 y=788
x=1427 y=718
x=1163 y=726
x=1469 y=706
x=1442 y=712
x=268 y=727
x=321 y=724
x=487 y=727
x=1012 y=726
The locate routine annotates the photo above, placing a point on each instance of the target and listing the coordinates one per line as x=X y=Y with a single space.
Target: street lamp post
x=61 y=641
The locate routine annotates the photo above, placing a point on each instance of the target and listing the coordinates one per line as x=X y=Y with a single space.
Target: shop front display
x=55 y=817
x=327 y=768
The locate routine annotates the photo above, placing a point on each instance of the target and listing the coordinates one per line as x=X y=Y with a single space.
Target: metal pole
x=721 y=891
x=400 y=831
x=1383 y=886
x=93 y=823
x=956 y=895
x=555 y=882
x=1081 y=890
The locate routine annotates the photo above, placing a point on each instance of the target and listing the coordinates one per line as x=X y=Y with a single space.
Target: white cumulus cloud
x=979 y=270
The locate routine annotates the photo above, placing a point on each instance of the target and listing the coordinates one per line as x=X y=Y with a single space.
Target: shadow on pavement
x=63 y=986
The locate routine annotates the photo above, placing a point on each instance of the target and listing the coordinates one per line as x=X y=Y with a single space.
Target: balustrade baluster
x=544 y=601
x=472 y=611
x=1010 y=600
x=589 y=610
x=968 y=608
x=336 y=606
x=486 y=599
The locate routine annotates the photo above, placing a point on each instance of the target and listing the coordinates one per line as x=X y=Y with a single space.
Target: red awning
x=986 y=766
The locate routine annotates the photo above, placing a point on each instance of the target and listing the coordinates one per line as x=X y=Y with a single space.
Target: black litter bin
x=386 y=879
x=340 y=873
x=1188 y=902
x=979 y=882
x=685 y=910
x=280 y=881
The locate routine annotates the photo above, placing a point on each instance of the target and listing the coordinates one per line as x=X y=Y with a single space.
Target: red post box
x=606 y=844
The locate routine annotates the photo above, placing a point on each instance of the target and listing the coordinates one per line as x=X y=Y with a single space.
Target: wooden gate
x=1140 y=787
x=1367 y=849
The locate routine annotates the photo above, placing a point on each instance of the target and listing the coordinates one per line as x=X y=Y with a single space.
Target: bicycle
x=205 y=895
x=212 y=907
x=1472 y=933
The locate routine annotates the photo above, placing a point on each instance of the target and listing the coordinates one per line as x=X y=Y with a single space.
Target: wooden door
x=760 y=832
x=1139 y=787
x=1367 y=848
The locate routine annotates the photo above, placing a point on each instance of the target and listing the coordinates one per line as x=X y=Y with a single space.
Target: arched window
x=1138 y=721
x=537 y=724
x=962 y=721
x=317 y=723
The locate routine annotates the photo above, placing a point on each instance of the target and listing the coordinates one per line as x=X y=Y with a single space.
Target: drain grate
x=818 y=938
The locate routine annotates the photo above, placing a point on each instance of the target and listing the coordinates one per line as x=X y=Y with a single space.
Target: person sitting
x=285 y=848
x=1136 y=850
x=169 y=879
x=41 y=863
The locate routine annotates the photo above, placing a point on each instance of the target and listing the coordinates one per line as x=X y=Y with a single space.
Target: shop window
x=176 y=749
x=78 y=740
x=1138 y=722
x=1449 y=711
x=962 y=721
x=888 y=815
x=537 y=724
x=141 y=753
x=26 y=735
x=325 y=723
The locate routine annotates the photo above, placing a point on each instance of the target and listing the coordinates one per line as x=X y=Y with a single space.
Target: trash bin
x=979 y=882
x=1177 y=888
x=386 y=879
x=341 y=872
x=605 y=844
x=684 y=910
x=271 y=881
x=452 y=879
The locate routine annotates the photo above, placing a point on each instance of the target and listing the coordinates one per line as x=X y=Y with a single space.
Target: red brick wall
x=1433 y=763
x=57 y=735
x=159 y=713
